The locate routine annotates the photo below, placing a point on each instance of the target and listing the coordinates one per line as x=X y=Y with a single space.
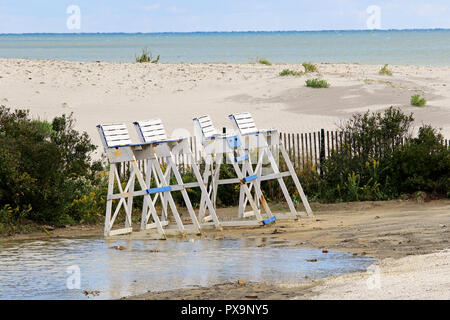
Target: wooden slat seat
x=115 y=135
x=244 y=122
x=206 y=126
x=151 y=130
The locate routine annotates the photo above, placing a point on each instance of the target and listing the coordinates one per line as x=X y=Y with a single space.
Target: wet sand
x=406 y=237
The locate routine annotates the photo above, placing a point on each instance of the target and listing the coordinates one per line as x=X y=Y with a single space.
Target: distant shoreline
x=230 y=32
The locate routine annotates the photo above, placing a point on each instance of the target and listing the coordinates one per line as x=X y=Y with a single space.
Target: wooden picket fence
x=306 y=150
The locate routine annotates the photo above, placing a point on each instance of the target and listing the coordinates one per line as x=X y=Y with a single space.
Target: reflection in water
x=38 y=269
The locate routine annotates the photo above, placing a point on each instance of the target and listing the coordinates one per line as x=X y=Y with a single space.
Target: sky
x=42 y=16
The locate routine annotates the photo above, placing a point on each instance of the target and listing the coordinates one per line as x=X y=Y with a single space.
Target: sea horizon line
x=225 y=32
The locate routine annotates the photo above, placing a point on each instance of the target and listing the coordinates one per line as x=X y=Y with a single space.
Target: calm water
x=38 y=269
x=422 y=47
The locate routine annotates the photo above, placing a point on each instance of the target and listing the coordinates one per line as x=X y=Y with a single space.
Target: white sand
x=413 y=277
x=125 y=92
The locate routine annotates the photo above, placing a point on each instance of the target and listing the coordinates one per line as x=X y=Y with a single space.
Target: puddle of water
x=38 y=269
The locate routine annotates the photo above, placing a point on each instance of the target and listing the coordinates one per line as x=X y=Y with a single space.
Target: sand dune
x=104 y=92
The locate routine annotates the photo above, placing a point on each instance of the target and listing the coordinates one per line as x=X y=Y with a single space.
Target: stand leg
x=187 y=201
x=148 y=200
x=281 y=181
x=128 y=222
x=168 y=196
x=202 y=210
x=209 y=204
x=296 y=181
x=109 y=202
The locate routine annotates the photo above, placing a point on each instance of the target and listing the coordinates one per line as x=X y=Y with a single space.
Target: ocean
x=402 y=47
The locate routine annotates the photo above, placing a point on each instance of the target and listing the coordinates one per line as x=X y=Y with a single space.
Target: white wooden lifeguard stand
x=119 y=149
x=262 y=141
x=152 y=132
x=215 y=146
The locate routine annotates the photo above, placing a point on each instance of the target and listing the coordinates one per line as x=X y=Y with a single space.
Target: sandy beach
x=409 y=240
x=107 y=92
x=337 y=189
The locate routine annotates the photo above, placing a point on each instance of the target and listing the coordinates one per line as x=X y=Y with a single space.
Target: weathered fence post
x=322 y=149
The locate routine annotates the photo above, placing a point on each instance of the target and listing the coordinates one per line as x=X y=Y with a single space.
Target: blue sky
x=24 y=16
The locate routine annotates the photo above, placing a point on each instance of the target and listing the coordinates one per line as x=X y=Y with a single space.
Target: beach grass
x=288 y=72
x=310 y=67
x=418 y=101
x=385 y=71
x=317 y=83
x=264 y=62
x=147 y=57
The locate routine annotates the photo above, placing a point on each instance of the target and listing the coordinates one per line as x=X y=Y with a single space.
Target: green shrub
x=310 y=180
x=422 y=164
x=385 y=71
x=10 y=215
x=147 y=57
x=38 y=160
x=361 y=161
x=265 y=62
x=287 y=72
x=418 y=101
x=316 y=83
x=378 y=160
x=10 y=220
x=309 y=67
x=87 y=200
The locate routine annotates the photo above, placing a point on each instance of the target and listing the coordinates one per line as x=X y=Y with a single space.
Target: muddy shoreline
x=381 y=230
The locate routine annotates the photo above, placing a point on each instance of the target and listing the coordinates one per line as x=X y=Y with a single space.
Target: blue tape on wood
x=158 y=190
x=239 y=159
x=234 y=142
x=251 y=178
x=270 y=220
